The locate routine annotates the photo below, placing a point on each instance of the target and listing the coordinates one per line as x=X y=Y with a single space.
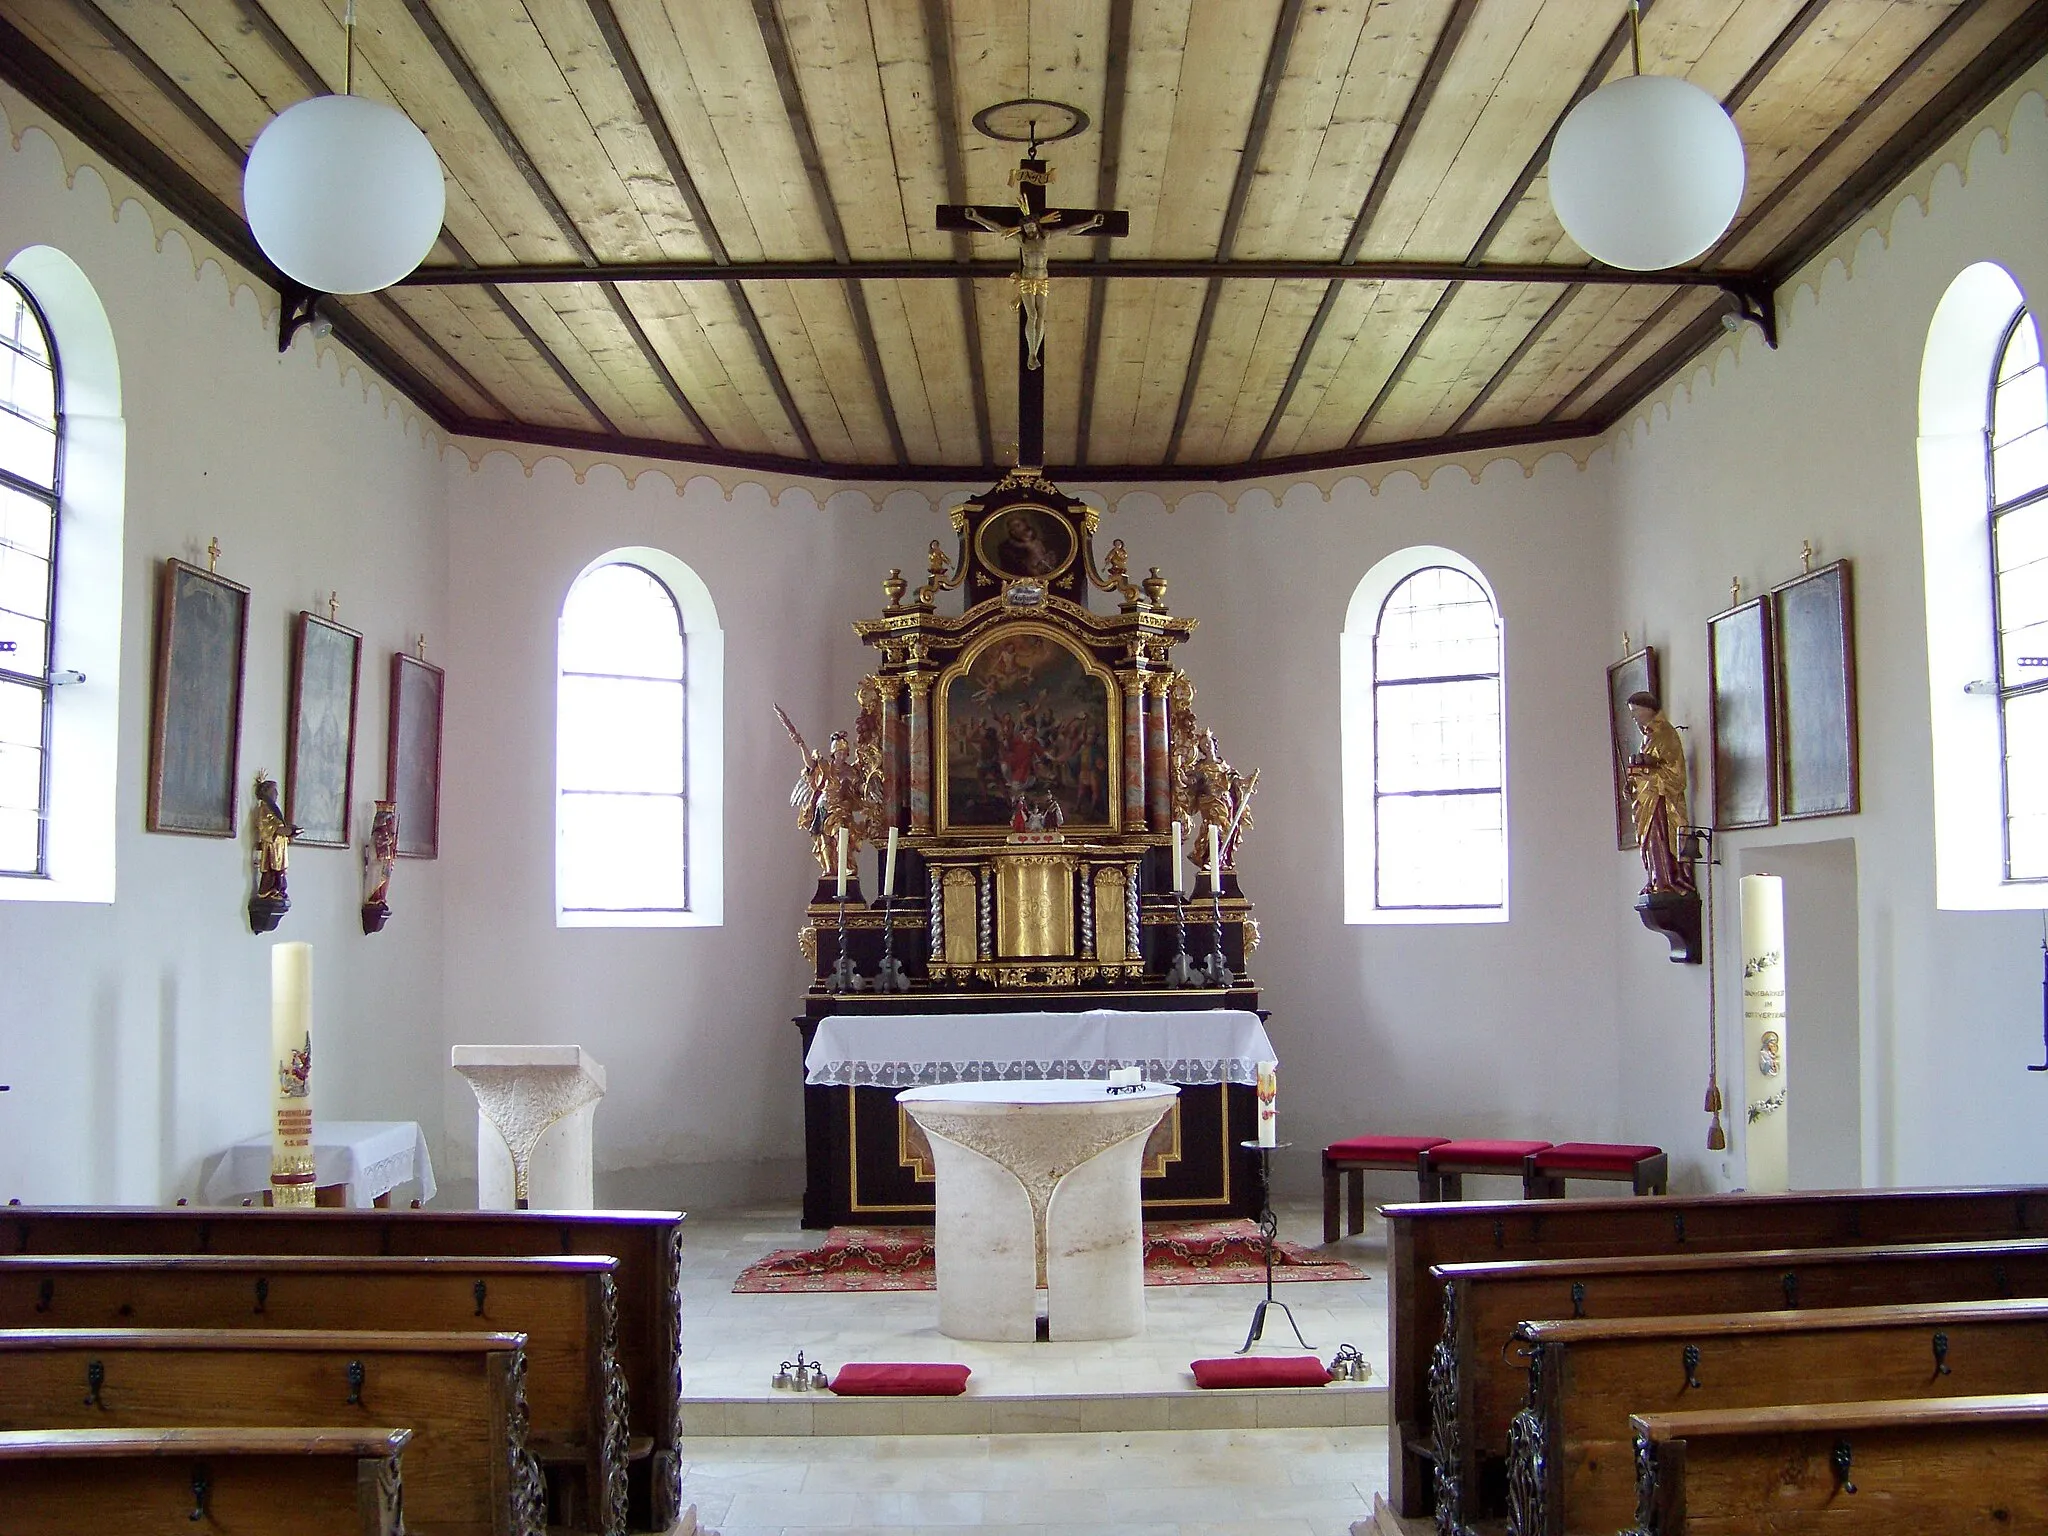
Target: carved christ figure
x=1656 y=793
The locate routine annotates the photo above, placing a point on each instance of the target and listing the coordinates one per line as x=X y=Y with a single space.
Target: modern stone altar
x=1038 y=1189
x=537 y=1105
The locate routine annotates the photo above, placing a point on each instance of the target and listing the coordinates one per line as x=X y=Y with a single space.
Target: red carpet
x=900 y=1259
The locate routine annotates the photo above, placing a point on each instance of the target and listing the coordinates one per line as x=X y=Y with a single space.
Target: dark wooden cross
x=1030 y=223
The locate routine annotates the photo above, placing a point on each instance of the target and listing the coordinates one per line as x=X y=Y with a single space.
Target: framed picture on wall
x=1636 y=673
x=412 y=773
x=320 y=751
x=202 y=631
x=1816 y=634
x=1743 y=704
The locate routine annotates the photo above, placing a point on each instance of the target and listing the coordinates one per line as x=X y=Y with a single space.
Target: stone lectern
x=536 y=1107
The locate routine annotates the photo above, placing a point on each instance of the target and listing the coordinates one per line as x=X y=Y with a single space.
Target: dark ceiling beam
x=1284 y=28
x=918 y=269
x=1077 y=474
x=1600 y=370
x=783 y=64
x=938 y=41
x=168 y=88
x=1424 y=93
x=1604 y=61
x=260 y=22
x=1116 y=76
x=432 y=343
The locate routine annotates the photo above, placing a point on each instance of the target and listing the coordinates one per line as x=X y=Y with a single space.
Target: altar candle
x=1178 y=867
x=291 y=1049
x=842 y=863
x=889 y=867
x=1269 y=1098
x=1215 y=859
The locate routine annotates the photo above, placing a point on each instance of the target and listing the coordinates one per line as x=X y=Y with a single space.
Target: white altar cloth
x=369 y=1157
x=1211 y=1045
x=1038 y=1188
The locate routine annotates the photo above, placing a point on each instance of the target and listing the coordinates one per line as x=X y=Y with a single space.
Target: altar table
x=364 y=1159
x=1211 y=1045
x=1038 y=1188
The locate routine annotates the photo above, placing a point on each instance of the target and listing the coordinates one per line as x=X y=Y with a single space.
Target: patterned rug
x=900 y=1259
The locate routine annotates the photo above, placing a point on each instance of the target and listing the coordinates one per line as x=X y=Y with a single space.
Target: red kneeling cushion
x=1503 y=1153
x=901 y=1380
x=1379 y=1148
x=1593 y=1157
x=1261 y=1371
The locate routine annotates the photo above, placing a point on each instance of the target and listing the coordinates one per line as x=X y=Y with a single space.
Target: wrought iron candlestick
x=1215 y=970
x=845 y=976
x=889 y=975
x=1269 y=1234
x=1182 y=972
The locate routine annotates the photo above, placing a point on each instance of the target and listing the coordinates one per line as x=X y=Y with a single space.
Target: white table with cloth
x=1183 y=1046
x=364 y=1159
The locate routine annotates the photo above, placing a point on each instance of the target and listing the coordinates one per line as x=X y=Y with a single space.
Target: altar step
x=993 y=1413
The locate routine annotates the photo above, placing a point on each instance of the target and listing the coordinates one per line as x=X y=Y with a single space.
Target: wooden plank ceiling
x=703 y=228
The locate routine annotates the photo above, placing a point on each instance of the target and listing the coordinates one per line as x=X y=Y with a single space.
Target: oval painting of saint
x=1026 y=723
x=1026 y=541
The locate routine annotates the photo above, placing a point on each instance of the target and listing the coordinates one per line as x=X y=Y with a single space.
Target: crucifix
x=1031 y=223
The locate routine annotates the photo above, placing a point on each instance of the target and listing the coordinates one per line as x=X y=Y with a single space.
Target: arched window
x=2018 y=440
x=31 y=464
x=1424 y=744
x=637 y=794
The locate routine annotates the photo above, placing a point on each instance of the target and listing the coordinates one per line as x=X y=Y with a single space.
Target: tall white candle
x=1766 y=1132
x=842 y=863
x=1179 y=867
x=291 y=1050
x=1215 y=859
x=1269 y=1103
x=889 y=867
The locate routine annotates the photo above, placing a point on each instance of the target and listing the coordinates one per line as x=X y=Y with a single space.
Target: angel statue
x=1205 y=788
x=840 y=786
x=1656 y=793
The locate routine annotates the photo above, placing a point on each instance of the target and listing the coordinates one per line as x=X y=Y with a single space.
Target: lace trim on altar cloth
x=384 y=1175
x=1186 y=1071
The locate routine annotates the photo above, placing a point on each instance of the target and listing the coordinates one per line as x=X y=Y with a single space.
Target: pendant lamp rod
x=1635 y=31
x=348 y=49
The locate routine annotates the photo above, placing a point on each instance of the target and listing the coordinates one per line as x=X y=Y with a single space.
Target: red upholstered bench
x=1645 y=1168
x=1348 y=1160
x=1445 y=1165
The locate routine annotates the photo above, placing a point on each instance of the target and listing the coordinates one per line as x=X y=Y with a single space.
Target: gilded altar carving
x=841 y=787
x=962 y=916
x=1111 y=923
x=1034 y=906
x=1207 y=791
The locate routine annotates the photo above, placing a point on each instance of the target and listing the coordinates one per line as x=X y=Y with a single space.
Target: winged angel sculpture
x=1207 y=791
x=841 y=786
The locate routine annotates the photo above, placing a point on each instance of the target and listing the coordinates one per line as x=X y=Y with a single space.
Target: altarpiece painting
x=1027 y=720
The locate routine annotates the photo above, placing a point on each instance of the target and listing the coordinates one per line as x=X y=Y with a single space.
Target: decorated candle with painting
x=1766 y=1132
x=291 y=1049
x=1269 y=1103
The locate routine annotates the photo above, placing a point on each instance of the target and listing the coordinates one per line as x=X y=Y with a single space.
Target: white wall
x=1756 y=451
x=1375 y=1025
x=136 y=1035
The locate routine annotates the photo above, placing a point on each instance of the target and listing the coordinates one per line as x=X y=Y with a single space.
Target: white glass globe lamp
x=1647 y=172
x=344 y=194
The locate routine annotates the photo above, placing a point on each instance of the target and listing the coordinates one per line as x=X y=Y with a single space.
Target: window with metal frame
x=621 y=814
x=31 y=468
x=1439 y=763
x=2017 y=443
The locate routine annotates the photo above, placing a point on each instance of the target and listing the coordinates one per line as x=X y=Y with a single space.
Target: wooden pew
x=1420 y=1236
x=1960 y=1464
x=254 y=1482
x=565 y=1307
x=459 y=1394
x=1476 y=1388
x=1569 y=1462
x=647 y=1244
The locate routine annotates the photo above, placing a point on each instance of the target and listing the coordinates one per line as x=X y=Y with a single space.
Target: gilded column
x=892 y=754
x=920 y=754
x=1158 y=784
x=1134 y=752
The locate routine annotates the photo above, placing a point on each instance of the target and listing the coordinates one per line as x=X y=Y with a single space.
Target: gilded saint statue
x=841 y=786
x=1656 y=793
x=1207 y=791
x=269 y=902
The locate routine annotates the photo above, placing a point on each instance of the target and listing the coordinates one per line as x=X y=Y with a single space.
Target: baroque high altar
x=1035 y=758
